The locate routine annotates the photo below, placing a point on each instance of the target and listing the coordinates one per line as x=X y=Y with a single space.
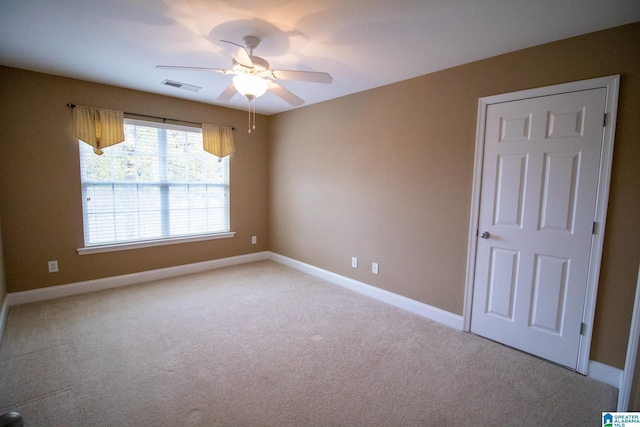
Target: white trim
x=604 y=373
x=96 y=249
x=474 y=216
x=632 y=352
x=24 y=297
x=415 y=307
x=597 y=371
x=611 y=83
x=4 y=310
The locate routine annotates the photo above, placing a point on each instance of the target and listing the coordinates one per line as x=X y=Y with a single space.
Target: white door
x=537 y=208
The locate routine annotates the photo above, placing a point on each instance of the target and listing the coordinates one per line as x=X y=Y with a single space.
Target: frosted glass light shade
x=250 y=85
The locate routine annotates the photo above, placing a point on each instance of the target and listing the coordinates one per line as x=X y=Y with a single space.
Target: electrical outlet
x=254 y=240
x=354 y=262
x=53 y=266
x=374 y=268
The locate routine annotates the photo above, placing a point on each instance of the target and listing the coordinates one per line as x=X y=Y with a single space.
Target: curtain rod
x=164 y=119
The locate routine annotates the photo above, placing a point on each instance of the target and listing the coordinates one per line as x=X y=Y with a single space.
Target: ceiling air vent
x=179 y=85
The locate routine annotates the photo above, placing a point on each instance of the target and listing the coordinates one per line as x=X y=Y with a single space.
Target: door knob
x=485 y=235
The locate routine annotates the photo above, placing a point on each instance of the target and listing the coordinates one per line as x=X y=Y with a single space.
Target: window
x=157 y=184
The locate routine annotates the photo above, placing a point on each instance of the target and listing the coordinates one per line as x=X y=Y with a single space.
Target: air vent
x=179 y=85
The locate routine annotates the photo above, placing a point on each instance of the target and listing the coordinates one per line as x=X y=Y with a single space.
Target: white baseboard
x=605 y=373
x=24 y=297
x=413 y=306
x=597 y=370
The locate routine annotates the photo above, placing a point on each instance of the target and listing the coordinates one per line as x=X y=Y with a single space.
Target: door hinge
x=583 y=328
x=604 y=121
x=594 y=229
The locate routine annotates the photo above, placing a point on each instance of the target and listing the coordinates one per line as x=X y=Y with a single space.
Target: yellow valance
x=98 y=127
x=217 y=140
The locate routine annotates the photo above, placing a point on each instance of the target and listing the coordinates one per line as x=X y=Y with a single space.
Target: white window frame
x=143 y=243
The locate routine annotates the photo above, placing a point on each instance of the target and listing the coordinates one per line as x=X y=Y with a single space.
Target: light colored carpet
x=264 y=345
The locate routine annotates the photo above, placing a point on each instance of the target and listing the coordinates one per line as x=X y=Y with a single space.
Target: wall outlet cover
x=53 y=266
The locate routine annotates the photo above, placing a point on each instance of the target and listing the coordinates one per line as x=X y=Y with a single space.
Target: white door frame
x=612 y=84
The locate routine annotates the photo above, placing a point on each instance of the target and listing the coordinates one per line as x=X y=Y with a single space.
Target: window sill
x=150 y=243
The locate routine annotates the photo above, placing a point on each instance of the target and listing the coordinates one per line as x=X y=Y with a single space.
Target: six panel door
x=537 y=207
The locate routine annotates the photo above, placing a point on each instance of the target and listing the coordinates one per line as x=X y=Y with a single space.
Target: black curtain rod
x=164 y=120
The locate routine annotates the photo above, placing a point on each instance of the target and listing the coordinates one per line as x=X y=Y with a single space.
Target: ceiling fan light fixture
x=250 y=85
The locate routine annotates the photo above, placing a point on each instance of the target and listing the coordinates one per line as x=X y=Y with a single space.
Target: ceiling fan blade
x=241 y=56
x=304 y=76
x=227 y=94
x=285 y=94
x=177 y=67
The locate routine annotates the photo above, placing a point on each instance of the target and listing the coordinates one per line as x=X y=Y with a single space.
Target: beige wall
x=40 y=193
x=386 y=175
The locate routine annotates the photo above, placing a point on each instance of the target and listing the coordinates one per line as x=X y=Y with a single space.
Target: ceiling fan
x=253 y=75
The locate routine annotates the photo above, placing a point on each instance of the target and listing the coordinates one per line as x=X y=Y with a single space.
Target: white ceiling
x=362 y=43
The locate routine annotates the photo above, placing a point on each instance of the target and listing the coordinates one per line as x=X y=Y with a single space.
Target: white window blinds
x=158 y=184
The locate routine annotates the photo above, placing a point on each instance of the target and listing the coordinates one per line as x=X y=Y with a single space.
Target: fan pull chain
x=254 y=114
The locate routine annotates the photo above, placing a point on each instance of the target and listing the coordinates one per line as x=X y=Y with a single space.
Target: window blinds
x=159 y=183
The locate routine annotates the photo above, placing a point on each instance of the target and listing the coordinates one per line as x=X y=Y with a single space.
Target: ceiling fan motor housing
x=260 y=67
x=251 y=42
x=259 y=64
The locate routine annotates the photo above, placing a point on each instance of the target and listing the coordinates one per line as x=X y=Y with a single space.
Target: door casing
x=611 y=83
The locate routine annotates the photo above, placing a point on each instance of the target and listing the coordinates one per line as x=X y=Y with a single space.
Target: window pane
x=179 y=211
x=98 y=198
x=177 y=168
x=218 y=207
x=126 y=226
x=159 y=183
x=151 y=225
x=94 y=168
x=100 y=228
